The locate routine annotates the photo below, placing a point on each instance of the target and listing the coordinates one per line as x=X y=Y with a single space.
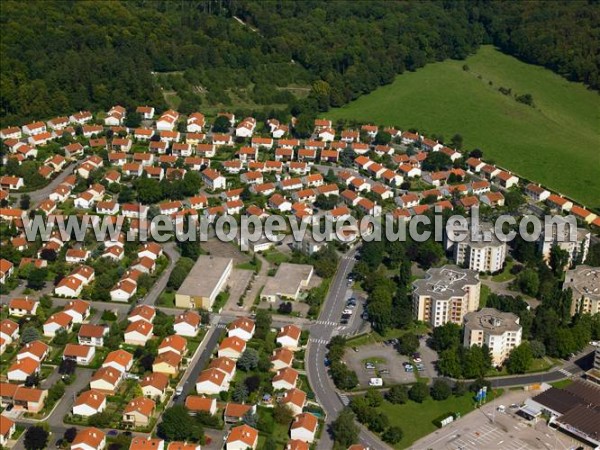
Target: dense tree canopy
x=138 y=50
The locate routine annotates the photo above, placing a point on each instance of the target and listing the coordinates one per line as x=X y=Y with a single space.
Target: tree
x=70 y=434
x=538 y=349
x=383 y=138
x=252 y=383
x=440 y=390
x=343 y=377
x=520 y=359
x=449 y=363
x=36 y=438
x=100 y=420
x=392 y=435
x=30 y=334
x=67 y=367
x=178 y=425
x=374 y=397
x=240 y=393
x=457 y=141
x=250 y=419
x=282 y=414
x=436 y=161
x=36 y=279
x=344 y=430
x=397 y=394
x=529 y=282
x=221 y=125
x=408 y=344
x=418 y=392
x=25 y=201
x=263 y=324
x=61 y=337
x=559 y=258
x=446 y=336
x=249 y=360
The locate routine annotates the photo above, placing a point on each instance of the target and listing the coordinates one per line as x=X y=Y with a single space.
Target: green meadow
x=556 y=142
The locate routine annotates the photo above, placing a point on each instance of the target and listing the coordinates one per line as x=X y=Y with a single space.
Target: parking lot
x=386 y=358
x=487 y=428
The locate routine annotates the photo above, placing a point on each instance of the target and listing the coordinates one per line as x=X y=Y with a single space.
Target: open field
x=556 y=143
x=416 y=419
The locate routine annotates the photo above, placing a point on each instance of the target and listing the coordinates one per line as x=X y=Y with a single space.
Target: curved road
x=318 y=376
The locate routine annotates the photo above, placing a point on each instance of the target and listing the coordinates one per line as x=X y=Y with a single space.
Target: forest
x=63 y=56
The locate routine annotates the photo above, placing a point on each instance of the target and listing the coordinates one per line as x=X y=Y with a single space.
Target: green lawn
x=485 y=293
x=275 y=257
x=539 y=143
x=416 y=419
x=505 y=275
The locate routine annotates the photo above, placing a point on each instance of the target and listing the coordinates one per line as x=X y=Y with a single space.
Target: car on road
x=178 y=391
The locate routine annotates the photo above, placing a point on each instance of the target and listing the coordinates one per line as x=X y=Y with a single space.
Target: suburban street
x=320 y=334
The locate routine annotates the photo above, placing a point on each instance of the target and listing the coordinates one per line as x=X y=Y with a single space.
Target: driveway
x=389 y=359
x=160 y=285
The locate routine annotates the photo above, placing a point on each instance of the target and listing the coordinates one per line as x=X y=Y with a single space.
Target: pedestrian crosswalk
x=318 y=341
x=345 y=400
x=221 y=325
x=326 y=322
x=565 y=372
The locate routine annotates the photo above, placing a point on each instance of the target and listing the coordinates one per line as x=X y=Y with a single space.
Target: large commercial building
x=481 y=250
x=446 y=294
x=576 y=245
x=574 y=409
x=500 y=331
x=584 y=282
x=287 y=282
x=207 y=278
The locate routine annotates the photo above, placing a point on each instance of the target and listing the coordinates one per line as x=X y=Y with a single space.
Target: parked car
x=369 y=366
x=384 y=371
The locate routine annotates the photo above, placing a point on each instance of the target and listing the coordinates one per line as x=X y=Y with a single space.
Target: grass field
x=416 y=419
x=556 y=143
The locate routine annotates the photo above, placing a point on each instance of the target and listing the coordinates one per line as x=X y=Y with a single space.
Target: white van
x=376 y=382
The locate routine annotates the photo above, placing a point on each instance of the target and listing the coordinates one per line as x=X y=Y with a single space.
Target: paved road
x=200 y=360
x=42 y=194
x=320 y=334
x=160 y=285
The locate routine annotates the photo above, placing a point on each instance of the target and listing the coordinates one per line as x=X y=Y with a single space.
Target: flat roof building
x=207 y=278
x=287 y=282
x=584 y=282
x=500 y=331
x=576 y=244
x=446 y=294
x=481 y=250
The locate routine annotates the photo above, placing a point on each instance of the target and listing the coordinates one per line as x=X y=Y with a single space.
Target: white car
x=376 y=382
x=347 y=312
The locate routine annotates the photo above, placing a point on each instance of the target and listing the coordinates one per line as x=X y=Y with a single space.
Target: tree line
x=61 y=57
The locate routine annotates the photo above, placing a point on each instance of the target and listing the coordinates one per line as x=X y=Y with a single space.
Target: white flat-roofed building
x=584 y=282
x=500 y=331
x=482 y=251
x=207 y=278
x=287 y=282
x=446 y=294
x=565 y=234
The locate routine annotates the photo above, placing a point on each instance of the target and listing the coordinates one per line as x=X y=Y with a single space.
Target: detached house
x=89 y=403
x=138 y=333
x=242 y=328
x=154 y=386
x=119 y=360
x=232 y=347
x=92 y=334
x=289 y=337
x=57 y=322
x=213 y=179
x=106 y=380
x=211 y=382
x=138 y=412
x=24 y=306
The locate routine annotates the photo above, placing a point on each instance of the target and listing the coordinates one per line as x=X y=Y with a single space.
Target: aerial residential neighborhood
x=254 y=237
